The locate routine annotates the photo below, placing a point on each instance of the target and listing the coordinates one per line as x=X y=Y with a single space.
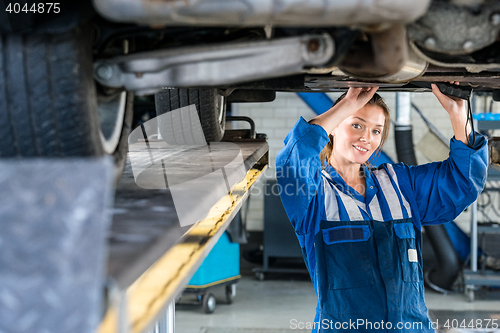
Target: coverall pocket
x=346 y=253
x=410 y=259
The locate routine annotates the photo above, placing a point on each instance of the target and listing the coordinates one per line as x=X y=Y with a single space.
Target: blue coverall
x=364 y=253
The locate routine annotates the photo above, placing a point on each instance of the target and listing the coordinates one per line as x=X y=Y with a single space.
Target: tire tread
x=49 y=96
x=7 y=136
x=204 y=100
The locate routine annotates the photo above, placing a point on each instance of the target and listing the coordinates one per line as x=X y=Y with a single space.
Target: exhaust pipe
x=302 y=13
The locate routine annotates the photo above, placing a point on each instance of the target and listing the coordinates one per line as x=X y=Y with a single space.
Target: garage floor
x=275 y=304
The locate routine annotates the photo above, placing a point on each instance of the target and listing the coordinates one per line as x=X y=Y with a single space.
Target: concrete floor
x=275 y=304
x=271 y=305
x=257 y=304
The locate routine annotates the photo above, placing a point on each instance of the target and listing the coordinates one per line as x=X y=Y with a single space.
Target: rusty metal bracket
x=385 y=56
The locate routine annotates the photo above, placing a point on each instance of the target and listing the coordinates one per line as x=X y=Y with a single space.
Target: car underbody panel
x=296 y=13
x=334 y=44
x=146 y=73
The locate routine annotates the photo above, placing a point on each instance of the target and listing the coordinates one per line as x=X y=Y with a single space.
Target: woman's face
x=358 y=136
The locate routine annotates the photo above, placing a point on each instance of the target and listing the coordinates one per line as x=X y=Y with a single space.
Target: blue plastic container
x=220 y=266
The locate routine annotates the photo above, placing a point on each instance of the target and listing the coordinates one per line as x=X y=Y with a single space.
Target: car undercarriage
x=229 y=51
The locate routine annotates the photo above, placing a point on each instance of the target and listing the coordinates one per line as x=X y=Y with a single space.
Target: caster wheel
x=469 y=293
x=230 y=293
x=209 y=303
x=260 y=276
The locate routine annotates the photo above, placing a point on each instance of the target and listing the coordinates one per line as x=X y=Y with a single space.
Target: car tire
x=48 y=98
x=210 y=106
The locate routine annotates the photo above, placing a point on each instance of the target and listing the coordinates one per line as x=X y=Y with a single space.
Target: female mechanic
x=360 y=228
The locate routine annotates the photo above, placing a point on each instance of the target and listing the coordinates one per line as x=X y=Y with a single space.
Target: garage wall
x=278 y=117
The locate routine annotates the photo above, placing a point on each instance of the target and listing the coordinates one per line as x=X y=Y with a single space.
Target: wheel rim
x=111 y=113
x=211 y=303
x=221 y=103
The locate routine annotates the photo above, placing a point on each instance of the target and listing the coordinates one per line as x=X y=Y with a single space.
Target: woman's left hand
x=453 y=105
x=458 y=114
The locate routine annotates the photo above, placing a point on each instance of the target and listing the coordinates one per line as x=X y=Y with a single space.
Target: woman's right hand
x=358 y=97
x=354 y=100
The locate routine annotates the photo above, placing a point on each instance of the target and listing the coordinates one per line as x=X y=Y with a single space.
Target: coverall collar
x=371 y=188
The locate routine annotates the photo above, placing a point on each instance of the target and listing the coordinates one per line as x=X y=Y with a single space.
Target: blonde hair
x=376 y=101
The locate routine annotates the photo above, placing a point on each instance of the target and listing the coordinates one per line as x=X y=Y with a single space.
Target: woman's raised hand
x=358 y=97
x=355 y=99
x=458 y=115
x=453 y=105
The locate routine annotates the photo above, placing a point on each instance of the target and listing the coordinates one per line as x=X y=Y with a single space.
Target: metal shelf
x=472 y=277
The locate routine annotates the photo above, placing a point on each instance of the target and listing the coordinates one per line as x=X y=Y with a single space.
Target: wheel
x=211 y=109
x=115 y=114
x=469 y=293
x=49 y=101
x=115 y=120
x=260 y=276
x=230 y=293
x=209 y=303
